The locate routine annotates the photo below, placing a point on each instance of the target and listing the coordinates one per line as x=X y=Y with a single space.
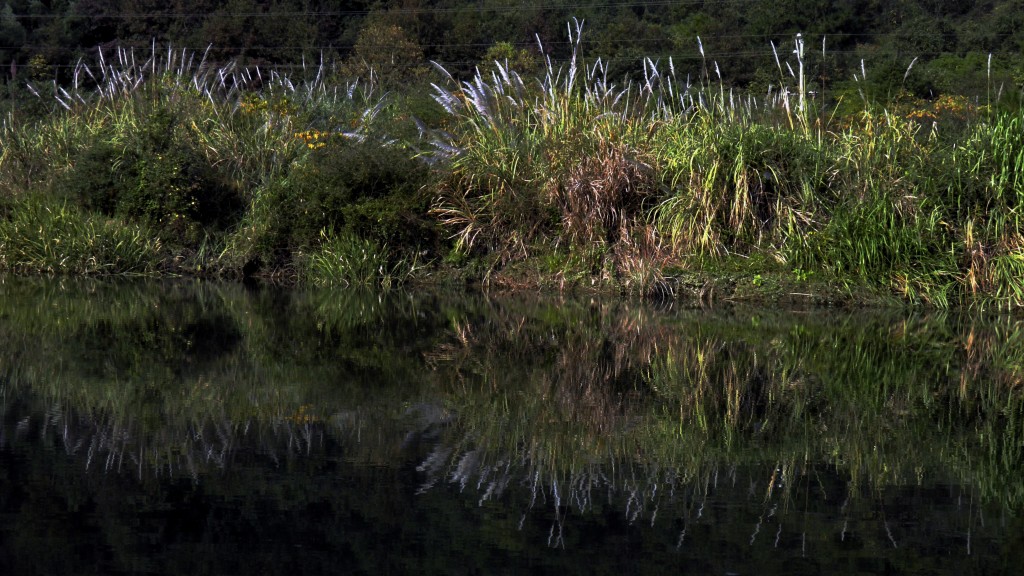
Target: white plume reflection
x=796 y=507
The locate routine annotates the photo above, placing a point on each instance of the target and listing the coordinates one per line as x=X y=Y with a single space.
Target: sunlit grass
x=345 y=260
x=624 y=178
x=54 y=238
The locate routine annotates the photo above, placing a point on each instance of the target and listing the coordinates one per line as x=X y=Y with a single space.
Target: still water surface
x=188 y=428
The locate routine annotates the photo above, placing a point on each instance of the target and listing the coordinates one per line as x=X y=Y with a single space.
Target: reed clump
x=683 y=174
x=348 y=260
x=571 y=176
x=532 y=167
x=45 y=237
x=216 y=166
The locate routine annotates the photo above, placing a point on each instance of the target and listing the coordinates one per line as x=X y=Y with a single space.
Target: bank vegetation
x=562 y=175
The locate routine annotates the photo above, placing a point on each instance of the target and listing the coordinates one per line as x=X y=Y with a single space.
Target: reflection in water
x=476 y=431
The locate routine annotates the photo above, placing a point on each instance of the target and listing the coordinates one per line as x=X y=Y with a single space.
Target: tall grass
x=181 y=149
x=562 y=161
x=735 y=185
x=599 y=180
x=60 y=239
x=346 y=260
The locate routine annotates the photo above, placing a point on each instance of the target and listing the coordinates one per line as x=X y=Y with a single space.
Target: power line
x=511 y=8
x=767 y=57
x=400 y=11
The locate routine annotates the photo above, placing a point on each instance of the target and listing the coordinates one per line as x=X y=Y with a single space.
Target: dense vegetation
x=652 y=150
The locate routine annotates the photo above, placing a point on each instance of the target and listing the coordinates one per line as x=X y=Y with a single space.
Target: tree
x=386 y=53
x=12 y=36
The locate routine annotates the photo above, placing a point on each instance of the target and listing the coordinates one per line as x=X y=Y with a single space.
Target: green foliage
x=347 y=260
x=223 y=177
x=913 y=195
x=384 y=53
x=348 y=185
x=505 y=53
x=156 y=177
x=38 y=236
x=94 y=181
x=12 y=33
x=366 y=189
x=459 y=33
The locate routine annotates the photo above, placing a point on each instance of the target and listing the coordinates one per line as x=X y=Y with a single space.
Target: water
x=187 y=428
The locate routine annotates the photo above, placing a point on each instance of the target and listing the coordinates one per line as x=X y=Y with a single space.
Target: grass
x=533 y=168
x=61 y=239
x=191 y=156
x=673 y=175
x=346 y=260
x=237 y=171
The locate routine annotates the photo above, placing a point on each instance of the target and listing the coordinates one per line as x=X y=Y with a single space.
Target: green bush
x=93 y=182
x=178 y=193
x=158 y=178
x=369 y=190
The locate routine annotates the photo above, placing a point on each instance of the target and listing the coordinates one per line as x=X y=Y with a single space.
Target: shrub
x=346 y=174
x=94 y=181
x=178 y=193
x=158 y=178
x=366 y=190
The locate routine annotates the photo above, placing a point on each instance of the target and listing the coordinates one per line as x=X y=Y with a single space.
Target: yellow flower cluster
x=922 y=115
x=252 y=105
x=284 y=107
x=956 y=105
x=314 y=139
x=947 y=107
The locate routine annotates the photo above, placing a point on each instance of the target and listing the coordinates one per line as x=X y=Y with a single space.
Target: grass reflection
x=175 y=377
x=886 y=401
x=569 y=398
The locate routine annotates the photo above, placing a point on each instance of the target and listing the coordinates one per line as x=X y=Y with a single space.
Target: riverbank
x=566 y=181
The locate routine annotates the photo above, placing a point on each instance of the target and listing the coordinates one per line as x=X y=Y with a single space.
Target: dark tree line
x=43 y=38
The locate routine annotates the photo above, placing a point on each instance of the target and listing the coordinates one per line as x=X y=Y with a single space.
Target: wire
x=608 y=60
x=514 y=7
x=511 y=7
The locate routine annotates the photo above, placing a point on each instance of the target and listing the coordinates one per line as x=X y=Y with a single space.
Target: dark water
x=183 y=428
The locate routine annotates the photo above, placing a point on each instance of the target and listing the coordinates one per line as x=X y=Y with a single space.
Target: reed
x=42 y=237
x=674 y=174
x=735 y=185
x=531 y=167
x=599 y=181
x=346 y=260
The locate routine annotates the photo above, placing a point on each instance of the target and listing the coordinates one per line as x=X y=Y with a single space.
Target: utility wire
x=513 y=7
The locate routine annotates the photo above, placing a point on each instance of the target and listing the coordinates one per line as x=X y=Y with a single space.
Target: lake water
x=196 y=428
